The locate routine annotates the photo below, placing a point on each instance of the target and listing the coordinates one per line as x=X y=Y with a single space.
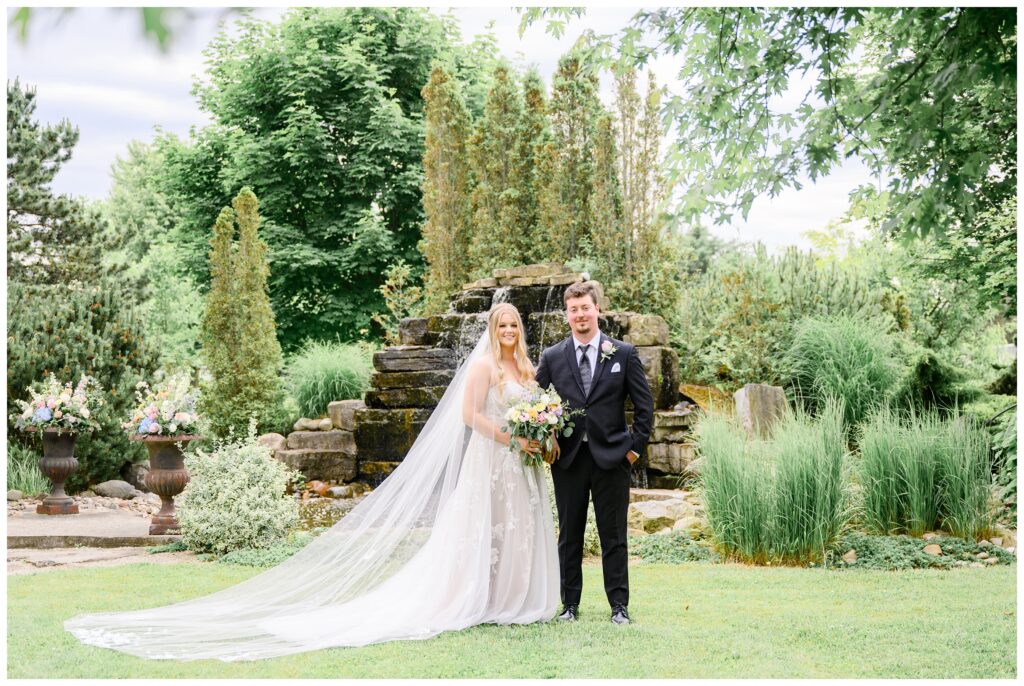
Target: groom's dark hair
x=580 y=289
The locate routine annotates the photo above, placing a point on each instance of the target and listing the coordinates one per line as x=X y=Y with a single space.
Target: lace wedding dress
x=460 y=534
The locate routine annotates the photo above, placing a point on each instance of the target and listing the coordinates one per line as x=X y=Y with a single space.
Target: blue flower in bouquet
x=144 y=425
x=43 y=414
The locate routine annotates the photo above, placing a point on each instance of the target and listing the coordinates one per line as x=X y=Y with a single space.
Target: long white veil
x=366 y=548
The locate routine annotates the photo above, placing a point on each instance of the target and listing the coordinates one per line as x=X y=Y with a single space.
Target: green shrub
x=1004 y=462
x=921 y=472
x=23 y=470
x=72 y=331
x=894 y=553
x=323 y=372
x=783 y=499
x=671 y=548
x=840 y=357
x=737 y=320
x=236 y=498
x=933 y=383
x=272 y=555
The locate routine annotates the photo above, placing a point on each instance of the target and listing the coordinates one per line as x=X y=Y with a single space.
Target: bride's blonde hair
x=523 y=364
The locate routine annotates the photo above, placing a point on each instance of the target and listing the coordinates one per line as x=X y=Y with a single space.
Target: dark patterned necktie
x=585 y=369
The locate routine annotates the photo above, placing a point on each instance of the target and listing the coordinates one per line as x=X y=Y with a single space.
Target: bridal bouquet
x=168 y=408
x=536 y=416
x=52 y=405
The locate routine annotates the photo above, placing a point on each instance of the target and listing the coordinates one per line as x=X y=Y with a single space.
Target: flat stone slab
x=110 y=529
x=412 y=358
x=32 y=561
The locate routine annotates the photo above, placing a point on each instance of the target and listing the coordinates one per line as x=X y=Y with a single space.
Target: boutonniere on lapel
x=607 y=350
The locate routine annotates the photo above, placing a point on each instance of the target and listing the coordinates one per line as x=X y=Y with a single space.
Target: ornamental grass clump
x=844 y=357
x=921 y=472
x=323 y=372
x=236 y=498
x=779 y=500
x=23 y=471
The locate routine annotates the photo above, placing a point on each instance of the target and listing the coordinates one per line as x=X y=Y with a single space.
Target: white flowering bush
x=52 y=405
x=166 y=409
x=236 y=498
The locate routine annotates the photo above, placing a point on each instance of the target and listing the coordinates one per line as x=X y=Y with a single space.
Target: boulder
x=933 y=549
x=637 y=495
x=306 y=424
x=688 y=523
x=335 y=440
x=325 y=465
x=388 y=434
x=670 y=458
x=489 y=282
x=472 y=301
x=343 y=413
x=405 y=397
x=15 y=495
x=392 y=380
x=708 y=398
x=646 y=330
x=135 y=473
x=450 y=332
x=325 y=424
x=375 y=472
x=850 y=557
x=339 y=492
x=661 y=366
x=413 y=331
x=759 y=406
x=653 y=515
x=693 y=467
x=274 y=441
x=114 y=488
x=413 y=358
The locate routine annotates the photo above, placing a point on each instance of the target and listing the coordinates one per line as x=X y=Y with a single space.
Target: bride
x=460 y=534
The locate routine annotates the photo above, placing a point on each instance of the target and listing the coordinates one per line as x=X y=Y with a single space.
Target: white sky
x=94 y=68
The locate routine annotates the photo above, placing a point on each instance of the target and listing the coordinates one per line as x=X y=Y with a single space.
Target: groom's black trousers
x=610 y=488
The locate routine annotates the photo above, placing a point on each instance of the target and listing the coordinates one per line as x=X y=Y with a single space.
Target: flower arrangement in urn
x=166 y=409
x=53 y=405
x=59 y=412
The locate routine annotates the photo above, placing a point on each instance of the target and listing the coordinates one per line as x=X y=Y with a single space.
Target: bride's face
x=508 y=331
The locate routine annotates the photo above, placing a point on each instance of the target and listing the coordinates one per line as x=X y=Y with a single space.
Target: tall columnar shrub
x=921 y=472
x=239 y=335
x=784 y=499
x=841 y=357
x=70 y=331
x=446 y=189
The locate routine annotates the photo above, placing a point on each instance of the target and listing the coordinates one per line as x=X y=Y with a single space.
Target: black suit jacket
x=605 y=406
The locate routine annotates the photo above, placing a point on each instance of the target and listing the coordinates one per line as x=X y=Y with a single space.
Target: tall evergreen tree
x=51 y=238
x=496 y=200
x=534 y=134
x=612 y=245
x=239 y=333
x=574 y=110
x=446 y=199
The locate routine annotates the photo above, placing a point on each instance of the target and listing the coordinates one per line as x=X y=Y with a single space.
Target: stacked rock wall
x=410 y=378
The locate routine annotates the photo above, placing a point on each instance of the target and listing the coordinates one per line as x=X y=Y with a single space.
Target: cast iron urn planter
x=167 y=478
x=57 y=464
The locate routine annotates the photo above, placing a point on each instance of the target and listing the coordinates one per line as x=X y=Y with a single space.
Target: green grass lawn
x=690 y=620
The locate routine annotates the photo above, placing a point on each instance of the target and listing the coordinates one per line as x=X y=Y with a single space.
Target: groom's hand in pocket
x=632 y=457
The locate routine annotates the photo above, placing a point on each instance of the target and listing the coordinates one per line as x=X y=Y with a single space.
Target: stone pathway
x=32 y=560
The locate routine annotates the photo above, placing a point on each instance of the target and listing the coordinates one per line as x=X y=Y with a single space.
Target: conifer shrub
x=235 y=498
x=239 y=337
x=323 y=372
x=73 y=330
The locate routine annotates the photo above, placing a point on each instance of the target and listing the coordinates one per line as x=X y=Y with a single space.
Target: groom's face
x=582 y=315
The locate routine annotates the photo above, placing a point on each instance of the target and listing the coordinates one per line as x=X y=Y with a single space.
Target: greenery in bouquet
x=165 y=409
x=539 y=415
x=53 y=405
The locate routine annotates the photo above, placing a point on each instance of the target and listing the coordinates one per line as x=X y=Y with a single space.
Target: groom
x=596 y=373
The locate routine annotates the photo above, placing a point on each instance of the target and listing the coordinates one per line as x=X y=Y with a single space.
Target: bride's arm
x=473 y=403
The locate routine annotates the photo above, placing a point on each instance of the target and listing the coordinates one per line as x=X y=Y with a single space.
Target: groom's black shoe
x=569 y=613
x=619 y=615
